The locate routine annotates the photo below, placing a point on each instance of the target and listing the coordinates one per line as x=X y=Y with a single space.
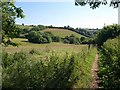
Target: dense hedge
x=110 y=64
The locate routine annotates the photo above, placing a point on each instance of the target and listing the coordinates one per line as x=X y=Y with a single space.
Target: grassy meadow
x=40 y=57
x=24 y=45
x=25 y=26
x=54 y=57
x=62 y=32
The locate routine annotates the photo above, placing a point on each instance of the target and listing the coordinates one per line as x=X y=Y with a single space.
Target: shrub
x=107 y=32
x=82 y=39
x=38 y=37
x=33 y=51
x=56 y=39
x=71 y=40
x=47 y=72
x=7 y=60
x=19 y=56
x=110 y=64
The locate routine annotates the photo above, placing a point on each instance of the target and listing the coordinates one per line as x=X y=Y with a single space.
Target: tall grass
x=53 y=71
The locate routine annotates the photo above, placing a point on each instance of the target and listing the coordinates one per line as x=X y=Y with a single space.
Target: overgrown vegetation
x=71 y=40
x=107 y=32
x=51 y=71
x=47 y=37
x=108 y=41
x=110 y=64
x=37 y=69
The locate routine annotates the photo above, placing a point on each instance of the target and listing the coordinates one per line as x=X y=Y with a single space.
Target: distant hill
x=62 y=32
x=25 y=26
x=56 y=31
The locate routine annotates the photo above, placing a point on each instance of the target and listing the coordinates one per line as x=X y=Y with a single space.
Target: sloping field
x=25 y=26
x=62 y=32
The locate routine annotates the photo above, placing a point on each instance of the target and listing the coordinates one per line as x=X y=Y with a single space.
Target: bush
x=41 y=74
x=39 y=37
x=56 y=39
x=108 y=32
x=47 y=72
x=71 y=40
x=7 y=60
x=33 y=51
x=82 y=39
x=110 y=64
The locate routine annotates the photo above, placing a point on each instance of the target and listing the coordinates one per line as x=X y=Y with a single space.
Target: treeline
x=25 y=29
x=47 y=37
x=108 y=32
x=85 y=32
x=97 y=36
x=82 y=31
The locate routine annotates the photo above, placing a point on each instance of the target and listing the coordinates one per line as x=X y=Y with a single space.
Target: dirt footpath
x=94 y=71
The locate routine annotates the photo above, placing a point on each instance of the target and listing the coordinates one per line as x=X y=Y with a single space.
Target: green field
x=40 y=57
x=25 y=26
x=50 y=55
x=57 y=32
x=44 y=49
x=62 y=32
x=24 y=45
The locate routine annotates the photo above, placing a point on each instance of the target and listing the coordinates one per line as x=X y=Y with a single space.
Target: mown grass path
x=94 y=71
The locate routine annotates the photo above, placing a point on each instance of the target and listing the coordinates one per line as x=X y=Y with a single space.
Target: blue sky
x=66 y=13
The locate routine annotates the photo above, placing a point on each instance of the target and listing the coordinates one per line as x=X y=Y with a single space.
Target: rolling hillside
x=55 y=31
x=25 y=26
x=62 y=32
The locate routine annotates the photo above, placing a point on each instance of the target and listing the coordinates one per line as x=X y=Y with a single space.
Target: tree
x=38 y=37
x=9 y=13
x=107 y=32
x=56 y=39
x=22 y=24
x=35 y=28
x=96 y=3
x=82 y=39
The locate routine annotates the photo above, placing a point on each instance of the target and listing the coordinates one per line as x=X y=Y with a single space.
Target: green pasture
x=24 y=45
x=25 y=26
x=58 y=52
x=62 y=32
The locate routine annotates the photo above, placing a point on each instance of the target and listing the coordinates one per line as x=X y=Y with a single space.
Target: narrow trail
x=94 y=71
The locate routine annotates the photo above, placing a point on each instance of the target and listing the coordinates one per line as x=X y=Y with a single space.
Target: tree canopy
x=9 y=13
x=96 y=3
x=106 y=33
